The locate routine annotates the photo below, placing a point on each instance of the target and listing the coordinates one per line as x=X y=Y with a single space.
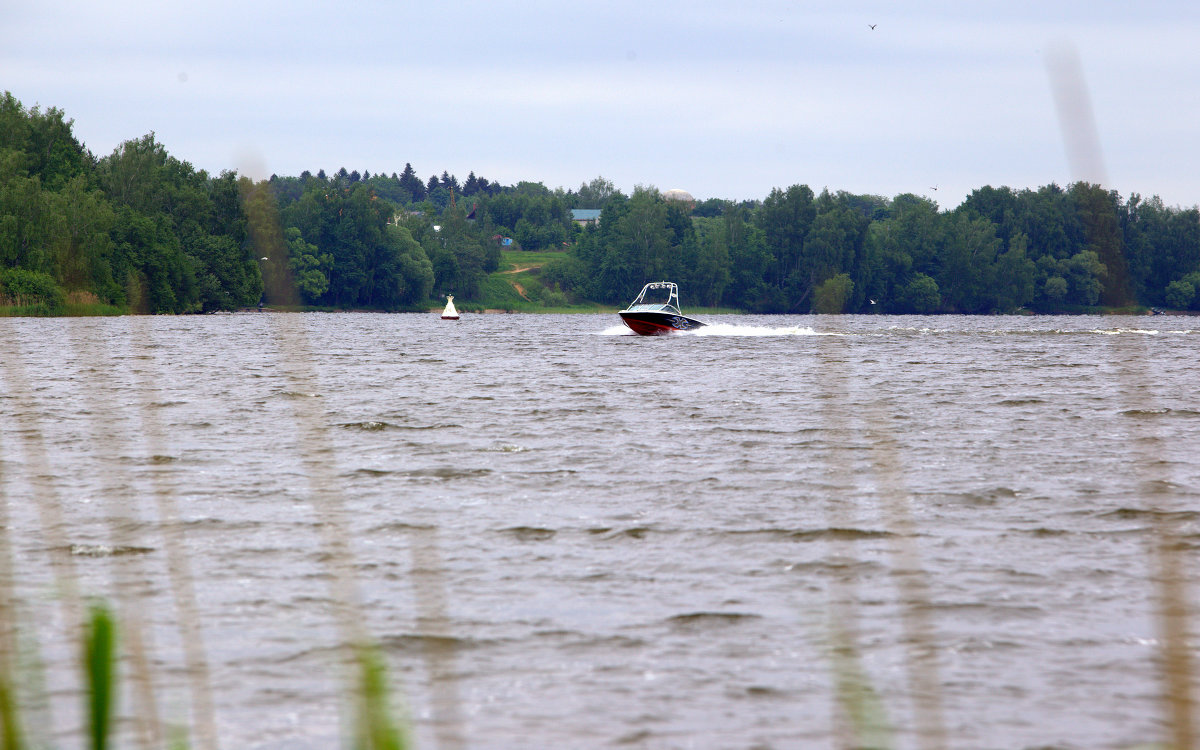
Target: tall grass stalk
x=179 y=569
x=10 y=731
x=1079 y=132
x=46 y=497
x=373 y=722
x=50 y=516
x=1177 y=673
x=434 y=622
x=924 y=680
x=858 y=711
x=1173 y=633
x=110 y=442
x=376 y=730
x=863 y=709
x=100 y=659
x=860 y=706
x=1176 y=661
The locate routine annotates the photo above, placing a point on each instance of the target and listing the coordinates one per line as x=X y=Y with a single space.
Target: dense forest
x=141 y=231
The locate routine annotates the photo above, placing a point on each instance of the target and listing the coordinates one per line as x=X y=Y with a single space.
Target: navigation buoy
x=449 y=313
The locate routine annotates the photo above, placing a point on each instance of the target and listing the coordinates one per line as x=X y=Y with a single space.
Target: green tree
x=785 y=218
x=965 y=263
x=81 y=245
x=706 y=264
x=1055 y=289
x=1002 y=206
x=1098 y=212
x=832 y=295
x=834 y=245
x=905 y=242
x=749 y=260
x=641 y=246
x=45 y=143
x=1085 y=276
x=411 y=184
x=415 y=272
x=1051 y=222
x=1183 y=294
x=568 y=273
x=224 y=281
x=920 y=295
x=595 y=194
x=1161 y=245
x=1180 y=294
x=26 y=224
x=33 y=291
x=309 y=266
x=157 y=277
x=203 y=217
x=1014 y=277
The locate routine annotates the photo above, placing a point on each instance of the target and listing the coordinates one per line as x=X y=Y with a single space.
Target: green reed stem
x=866 y=718
x=178 y=739
x=100 y=653
x=377 y=730
x=10 y=727
x=179 y=568
x=10 y=732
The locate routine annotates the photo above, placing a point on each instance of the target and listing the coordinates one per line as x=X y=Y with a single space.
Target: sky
x=722 y=99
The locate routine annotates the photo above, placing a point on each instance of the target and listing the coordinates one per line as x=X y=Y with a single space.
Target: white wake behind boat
x=449 y=313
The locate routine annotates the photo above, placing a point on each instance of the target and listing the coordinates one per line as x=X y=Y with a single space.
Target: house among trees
x=585 y=217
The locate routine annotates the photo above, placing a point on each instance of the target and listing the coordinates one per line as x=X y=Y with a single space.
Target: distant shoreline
x=9 y=312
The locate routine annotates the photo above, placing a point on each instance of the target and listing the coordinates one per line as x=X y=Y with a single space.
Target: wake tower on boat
x=656 y=311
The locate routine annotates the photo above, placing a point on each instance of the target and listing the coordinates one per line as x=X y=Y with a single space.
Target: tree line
x=139 y=230
x=1001 y=250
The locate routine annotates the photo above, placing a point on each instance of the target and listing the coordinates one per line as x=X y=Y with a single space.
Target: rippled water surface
x=563 y=536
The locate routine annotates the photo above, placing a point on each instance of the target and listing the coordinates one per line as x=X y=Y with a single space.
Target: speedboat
x=449 y=313
x=656 y=311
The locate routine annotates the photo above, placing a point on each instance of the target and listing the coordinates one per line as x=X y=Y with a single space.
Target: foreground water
x=564 y=536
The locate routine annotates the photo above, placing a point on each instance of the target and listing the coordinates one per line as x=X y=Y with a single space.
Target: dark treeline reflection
x=139 y=230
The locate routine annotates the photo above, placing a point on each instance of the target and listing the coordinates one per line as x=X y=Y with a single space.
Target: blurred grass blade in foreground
x=376 y=729
x=100 y=651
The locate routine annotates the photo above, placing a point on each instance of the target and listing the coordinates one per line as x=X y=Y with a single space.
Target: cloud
x=724 y=100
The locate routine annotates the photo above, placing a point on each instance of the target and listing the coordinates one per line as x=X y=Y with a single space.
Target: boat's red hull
x=657 y=323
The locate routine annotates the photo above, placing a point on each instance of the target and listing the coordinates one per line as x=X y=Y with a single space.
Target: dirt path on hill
x=520 y=289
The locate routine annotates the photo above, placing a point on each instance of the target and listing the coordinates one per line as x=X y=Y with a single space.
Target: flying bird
x=872 y=26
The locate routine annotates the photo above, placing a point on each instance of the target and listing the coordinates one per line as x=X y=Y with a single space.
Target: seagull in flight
x=872 y=26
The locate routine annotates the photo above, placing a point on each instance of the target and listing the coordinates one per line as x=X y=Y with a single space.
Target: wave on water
x=621 y=330
x=1036 y=331
x=727 y=329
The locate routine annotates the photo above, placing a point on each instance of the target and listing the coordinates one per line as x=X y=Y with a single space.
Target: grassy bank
x=517 y=287
x=68 y=310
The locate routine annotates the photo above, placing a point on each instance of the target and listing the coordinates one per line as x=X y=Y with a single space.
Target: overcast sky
x=725 y=100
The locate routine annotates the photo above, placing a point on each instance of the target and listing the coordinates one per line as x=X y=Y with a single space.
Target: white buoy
x=449 y=313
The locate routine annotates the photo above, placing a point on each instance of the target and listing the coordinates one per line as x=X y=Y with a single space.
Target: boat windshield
x=658 y=295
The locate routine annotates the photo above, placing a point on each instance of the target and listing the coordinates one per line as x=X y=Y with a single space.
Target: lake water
x=778 y=532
